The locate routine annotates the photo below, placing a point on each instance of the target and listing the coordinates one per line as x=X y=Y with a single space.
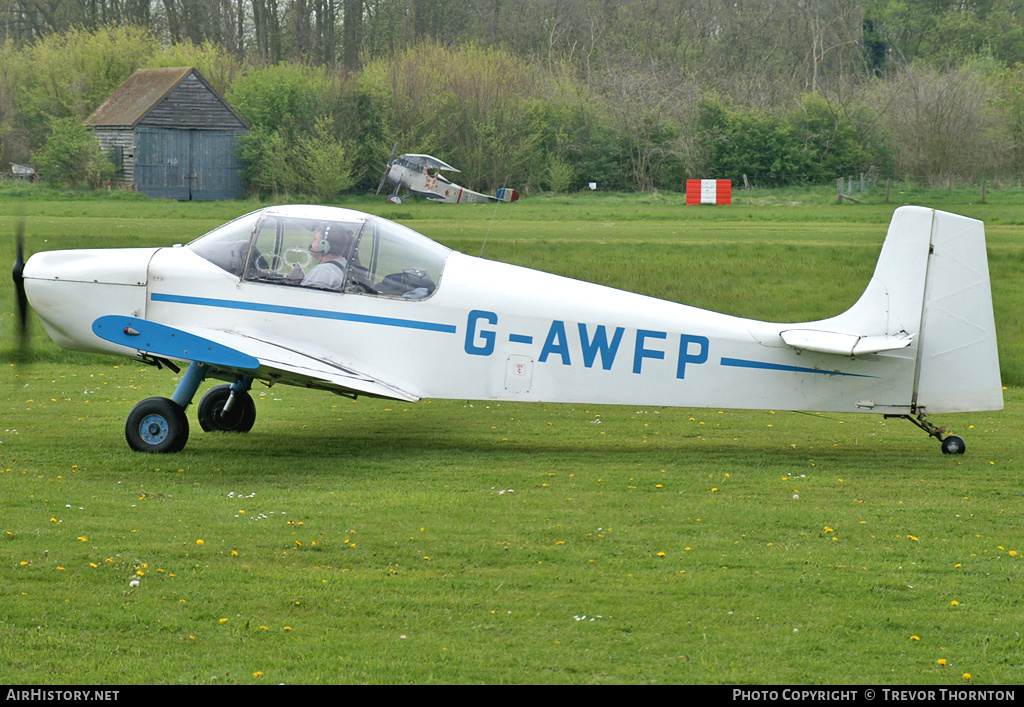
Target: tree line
x=544 y=94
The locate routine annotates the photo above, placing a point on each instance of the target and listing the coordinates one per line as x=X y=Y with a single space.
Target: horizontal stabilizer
x=832 y=342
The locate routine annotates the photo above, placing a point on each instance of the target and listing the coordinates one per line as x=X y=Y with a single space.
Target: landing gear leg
x=951 y=444
x=159 y=425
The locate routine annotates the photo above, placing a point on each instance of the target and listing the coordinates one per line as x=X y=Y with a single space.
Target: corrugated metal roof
x=140 y=93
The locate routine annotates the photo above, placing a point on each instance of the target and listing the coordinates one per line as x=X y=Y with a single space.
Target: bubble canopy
x=362 y=253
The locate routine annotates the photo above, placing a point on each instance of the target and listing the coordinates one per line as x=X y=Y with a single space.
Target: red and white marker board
x=708 y=191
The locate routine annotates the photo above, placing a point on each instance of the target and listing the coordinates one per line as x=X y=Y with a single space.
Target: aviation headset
x=338 y=245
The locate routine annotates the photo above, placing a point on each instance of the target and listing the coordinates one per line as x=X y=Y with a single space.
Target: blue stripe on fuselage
x=763 y=365
x=304 y=312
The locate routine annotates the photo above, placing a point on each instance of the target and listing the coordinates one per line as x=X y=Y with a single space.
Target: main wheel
x=953 y=445
x=240 y=418
x=157 y=425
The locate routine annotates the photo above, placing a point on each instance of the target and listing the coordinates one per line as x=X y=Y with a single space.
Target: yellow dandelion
x=223 y=621
x=258 y=674
x=967 y=676
x=915 y=638
x=200 y=542
x=942 y=661
x=954 y=603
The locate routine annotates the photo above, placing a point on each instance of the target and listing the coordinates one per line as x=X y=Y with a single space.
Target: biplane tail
x=506 y=194
x=930 y=292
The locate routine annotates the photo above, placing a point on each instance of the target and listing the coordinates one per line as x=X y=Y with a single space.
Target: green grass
x=453 y=542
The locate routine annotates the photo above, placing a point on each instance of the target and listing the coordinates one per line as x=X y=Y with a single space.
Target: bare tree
x=641 y=103
x=353 y=29
x=943 y=124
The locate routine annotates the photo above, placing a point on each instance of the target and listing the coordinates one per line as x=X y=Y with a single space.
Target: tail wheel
x=240 y=417
x=953 y=445
x=157 y=425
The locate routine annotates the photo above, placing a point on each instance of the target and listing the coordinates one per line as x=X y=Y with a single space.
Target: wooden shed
x=171 y=136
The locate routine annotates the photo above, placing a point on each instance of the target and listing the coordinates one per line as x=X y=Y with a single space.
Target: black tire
x=953 y=445
x=157 y=425
x=240 y=418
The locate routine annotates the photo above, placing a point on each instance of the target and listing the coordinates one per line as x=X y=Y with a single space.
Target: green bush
x=811 y=145
x=324 y=167
x=268 y=166
x=830 y=140
x=293 y=146
x=72 y=157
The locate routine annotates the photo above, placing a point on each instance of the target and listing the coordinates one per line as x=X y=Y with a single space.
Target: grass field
x=456 y=542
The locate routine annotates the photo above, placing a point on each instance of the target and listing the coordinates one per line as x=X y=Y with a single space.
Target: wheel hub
x=153 y=429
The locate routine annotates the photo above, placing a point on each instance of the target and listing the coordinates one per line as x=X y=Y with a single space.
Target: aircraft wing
x=428 y=161
x=246 y=354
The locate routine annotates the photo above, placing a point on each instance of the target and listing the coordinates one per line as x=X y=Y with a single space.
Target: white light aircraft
x=412 y=172
x=338 y=300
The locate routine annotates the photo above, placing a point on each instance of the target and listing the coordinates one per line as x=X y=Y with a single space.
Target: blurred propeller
x=388 y=168
x=18 y=274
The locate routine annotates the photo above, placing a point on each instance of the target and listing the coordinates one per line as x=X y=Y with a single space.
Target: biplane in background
x=412 y=172
x=339 y=300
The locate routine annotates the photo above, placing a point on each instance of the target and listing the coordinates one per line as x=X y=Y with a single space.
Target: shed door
x=187 y=165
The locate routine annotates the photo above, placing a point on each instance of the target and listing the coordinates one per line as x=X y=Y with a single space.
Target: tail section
x=929 y=300
x=506 y=194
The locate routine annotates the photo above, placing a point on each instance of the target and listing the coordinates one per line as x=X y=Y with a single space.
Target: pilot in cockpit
x=330 y=246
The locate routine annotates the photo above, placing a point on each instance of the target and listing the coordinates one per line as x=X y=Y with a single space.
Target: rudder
x=958 y=360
